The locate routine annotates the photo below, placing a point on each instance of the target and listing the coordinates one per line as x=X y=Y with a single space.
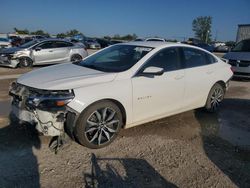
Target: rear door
x=199 y=77
x=61 y=51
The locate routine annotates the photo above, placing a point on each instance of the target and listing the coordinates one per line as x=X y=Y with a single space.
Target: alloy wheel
x=216 y=98
x=102 y=125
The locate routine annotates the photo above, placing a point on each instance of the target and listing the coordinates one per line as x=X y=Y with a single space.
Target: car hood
x=64 y=76
x=10 y=50
x=243 y=56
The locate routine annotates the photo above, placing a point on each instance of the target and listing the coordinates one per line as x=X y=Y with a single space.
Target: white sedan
x=121 y=86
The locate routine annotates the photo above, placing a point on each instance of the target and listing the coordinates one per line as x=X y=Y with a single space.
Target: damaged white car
x=119 y=87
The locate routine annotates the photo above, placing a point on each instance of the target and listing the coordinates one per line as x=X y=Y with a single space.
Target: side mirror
x=152 y=71
x=38 y=48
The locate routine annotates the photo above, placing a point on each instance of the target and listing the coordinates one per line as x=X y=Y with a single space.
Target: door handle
x=179 y=77
x=210 y=72
x=50 y=50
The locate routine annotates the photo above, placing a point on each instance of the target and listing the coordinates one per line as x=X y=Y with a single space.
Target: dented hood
x=64 y=76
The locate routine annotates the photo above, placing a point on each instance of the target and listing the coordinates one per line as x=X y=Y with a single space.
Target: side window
x=168 y=59
x=46 y=45
x=210 y=59
x=194 y=57
x=61 y=44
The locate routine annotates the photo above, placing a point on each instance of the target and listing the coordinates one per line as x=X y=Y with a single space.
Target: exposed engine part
x=59 y=142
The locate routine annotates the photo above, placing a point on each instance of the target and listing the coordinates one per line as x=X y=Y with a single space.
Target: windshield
x=28 y=44
x=117 y=58
x=243 y=46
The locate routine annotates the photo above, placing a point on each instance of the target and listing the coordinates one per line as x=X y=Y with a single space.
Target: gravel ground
x=192 y=149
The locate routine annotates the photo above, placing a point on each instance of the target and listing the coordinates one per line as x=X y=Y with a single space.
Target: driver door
x=156 y=96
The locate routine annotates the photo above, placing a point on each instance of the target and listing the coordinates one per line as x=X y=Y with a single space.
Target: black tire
x=25 y=62
x=76 y=58
x=215 y=97
x=96 y=131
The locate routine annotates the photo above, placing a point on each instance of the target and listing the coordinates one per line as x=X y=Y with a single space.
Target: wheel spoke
x=94 y=137
x=98 y=115
x=112 y=122
x=92 y=123
x=91 y=129
x=111 y=116
x=104 y=113
x=106 y=134
x=100 y=137
x=110 y=130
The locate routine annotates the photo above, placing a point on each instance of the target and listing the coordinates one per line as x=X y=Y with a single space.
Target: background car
x=122 y=86
x=239 y=58
x=92 y=44
x=222 y=48
x=37 y=52
x=103 y=42
x=5 y=43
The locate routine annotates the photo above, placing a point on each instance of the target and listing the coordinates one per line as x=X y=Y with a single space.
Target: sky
x=164 y=18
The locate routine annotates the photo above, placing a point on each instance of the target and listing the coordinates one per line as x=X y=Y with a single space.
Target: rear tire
x=99 y=125
x=25 y=62
x=76 y=58
x=215 y=97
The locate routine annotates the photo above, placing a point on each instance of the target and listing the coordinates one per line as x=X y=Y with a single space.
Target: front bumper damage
x=8 y=60
x=55 y=121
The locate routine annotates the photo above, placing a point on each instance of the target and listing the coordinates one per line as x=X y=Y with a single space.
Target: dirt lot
x=192 y=149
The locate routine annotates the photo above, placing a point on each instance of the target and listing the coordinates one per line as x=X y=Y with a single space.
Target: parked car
x=121 y=86
x=5 y=43
x=16 y=41
x=239 y=59
x=92 y=44
x=104 y=43
x=222 y=48
x=205 y=46
x=38 y=52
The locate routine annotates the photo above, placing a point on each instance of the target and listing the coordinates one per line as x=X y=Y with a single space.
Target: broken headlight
x=50 y=99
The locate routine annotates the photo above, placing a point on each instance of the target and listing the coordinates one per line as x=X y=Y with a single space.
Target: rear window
x=194 y=57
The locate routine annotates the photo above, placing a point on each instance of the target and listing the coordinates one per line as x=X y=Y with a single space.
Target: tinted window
x=243 y=46
x=168 y=59
x=210 y=59
x=46 y=45
x=61 y=44
x=194 y=57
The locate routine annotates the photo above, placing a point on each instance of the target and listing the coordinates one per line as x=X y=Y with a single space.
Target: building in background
x=243 y=32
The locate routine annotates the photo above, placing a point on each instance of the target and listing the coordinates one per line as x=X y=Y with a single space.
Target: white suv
x=118 y=87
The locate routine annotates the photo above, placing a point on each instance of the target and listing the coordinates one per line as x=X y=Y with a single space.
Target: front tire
x=76 y=58
x=99 y=125
x=25 y=62
x=215 y=97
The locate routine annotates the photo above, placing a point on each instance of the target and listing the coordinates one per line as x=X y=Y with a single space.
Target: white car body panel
x=144 y=99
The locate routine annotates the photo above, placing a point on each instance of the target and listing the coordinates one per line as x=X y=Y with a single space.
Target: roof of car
x=152 y=44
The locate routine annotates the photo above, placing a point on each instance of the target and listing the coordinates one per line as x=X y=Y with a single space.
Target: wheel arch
x=222 y=83
x=75 y=54
x=116 y=102
x=23 y=56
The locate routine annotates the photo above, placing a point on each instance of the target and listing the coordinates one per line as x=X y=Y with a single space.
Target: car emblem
x=238 y=61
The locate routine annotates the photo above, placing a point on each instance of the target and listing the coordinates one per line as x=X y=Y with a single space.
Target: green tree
x=21 y=31
x=39 y=32
x=202 y=28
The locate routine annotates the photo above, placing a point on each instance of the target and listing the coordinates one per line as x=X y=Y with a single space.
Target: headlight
x=54 y=99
